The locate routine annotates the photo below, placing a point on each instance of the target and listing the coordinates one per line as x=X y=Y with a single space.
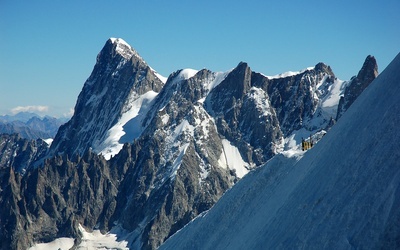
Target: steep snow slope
x=129 y=125
x=343 y=194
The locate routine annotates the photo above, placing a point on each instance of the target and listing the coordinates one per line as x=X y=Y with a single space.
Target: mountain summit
x=357 y=84
x=119 y=78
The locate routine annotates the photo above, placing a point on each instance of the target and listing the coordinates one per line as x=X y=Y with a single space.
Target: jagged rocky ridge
x=365 y=76
x=342 y=194
x=173 y=148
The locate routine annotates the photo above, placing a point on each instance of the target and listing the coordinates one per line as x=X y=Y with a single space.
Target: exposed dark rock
x=357 y=84
x=51 y=201
x=19 y=153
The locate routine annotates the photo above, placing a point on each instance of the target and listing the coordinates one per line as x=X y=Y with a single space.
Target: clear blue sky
x=48 y=47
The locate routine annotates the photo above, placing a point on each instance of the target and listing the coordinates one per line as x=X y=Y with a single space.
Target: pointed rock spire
x=365 y=76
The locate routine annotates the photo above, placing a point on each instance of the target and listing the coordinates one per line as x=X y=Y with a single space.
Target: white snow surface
x=214 y=82
x=219 y=77
x=328 y=96
x=187 y=73
x=89 y=241
x=119 y=41
x=97 y=240
x=231 y=159
x=289 y=73
x=261 y=100
x=129 y=125
x=344 y=193
x=48 y=141
x=123 y=48
x=60 y=244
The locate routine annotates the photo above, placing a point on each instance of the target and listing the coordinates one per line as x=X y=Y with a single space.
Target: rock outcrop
x=357 y=84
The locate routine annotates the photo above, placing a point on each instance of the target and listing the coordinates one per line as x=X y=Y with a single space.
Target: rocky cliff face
x=357 y=84
x=51 y=201
x=19 y=153
x=147 y=157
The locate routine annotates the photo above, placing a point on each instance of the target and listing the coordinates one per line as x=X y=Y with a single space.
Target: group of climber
x=306 y=144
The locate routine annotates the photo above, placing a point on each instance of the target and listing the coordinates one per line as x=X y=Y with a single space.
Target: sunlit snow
x=231 y=158
x=261 y=100
x=129 y=125
x=57 y=244
x=48 y=141
x=187 y=73
x=97 y=240
x=289 y=73
x=213 y=82
x=123 y=48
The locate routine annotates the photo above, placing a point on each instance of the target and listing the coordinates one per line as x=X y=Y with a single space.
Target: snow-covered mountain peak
x=289 y=73
x=123 y=48
x=119 y=41
x=185 y=74
x=322 y=67
x=121 y=80
x=319 y=67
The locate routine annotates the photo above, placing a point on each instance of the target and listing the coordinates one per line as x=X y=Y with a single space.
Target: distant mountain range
x=143 y=155
x=30 y=125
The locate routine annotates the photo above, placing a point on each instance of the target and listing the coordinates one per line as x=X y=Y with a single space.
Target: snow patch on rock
x=129 y=126
x=231 y=159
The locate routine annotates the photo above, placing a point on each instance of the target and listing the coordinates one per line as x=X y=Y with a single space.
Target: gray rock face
x=244 y=115
x=18 y=153
x=51 y=201
x=365 y=76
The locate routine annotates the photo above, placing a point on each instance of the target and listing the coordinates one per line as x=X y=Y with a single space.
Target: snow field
x=60 y=244
x=96 y=241
x=231 y=159
x=129 y=125
x=289 y=73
